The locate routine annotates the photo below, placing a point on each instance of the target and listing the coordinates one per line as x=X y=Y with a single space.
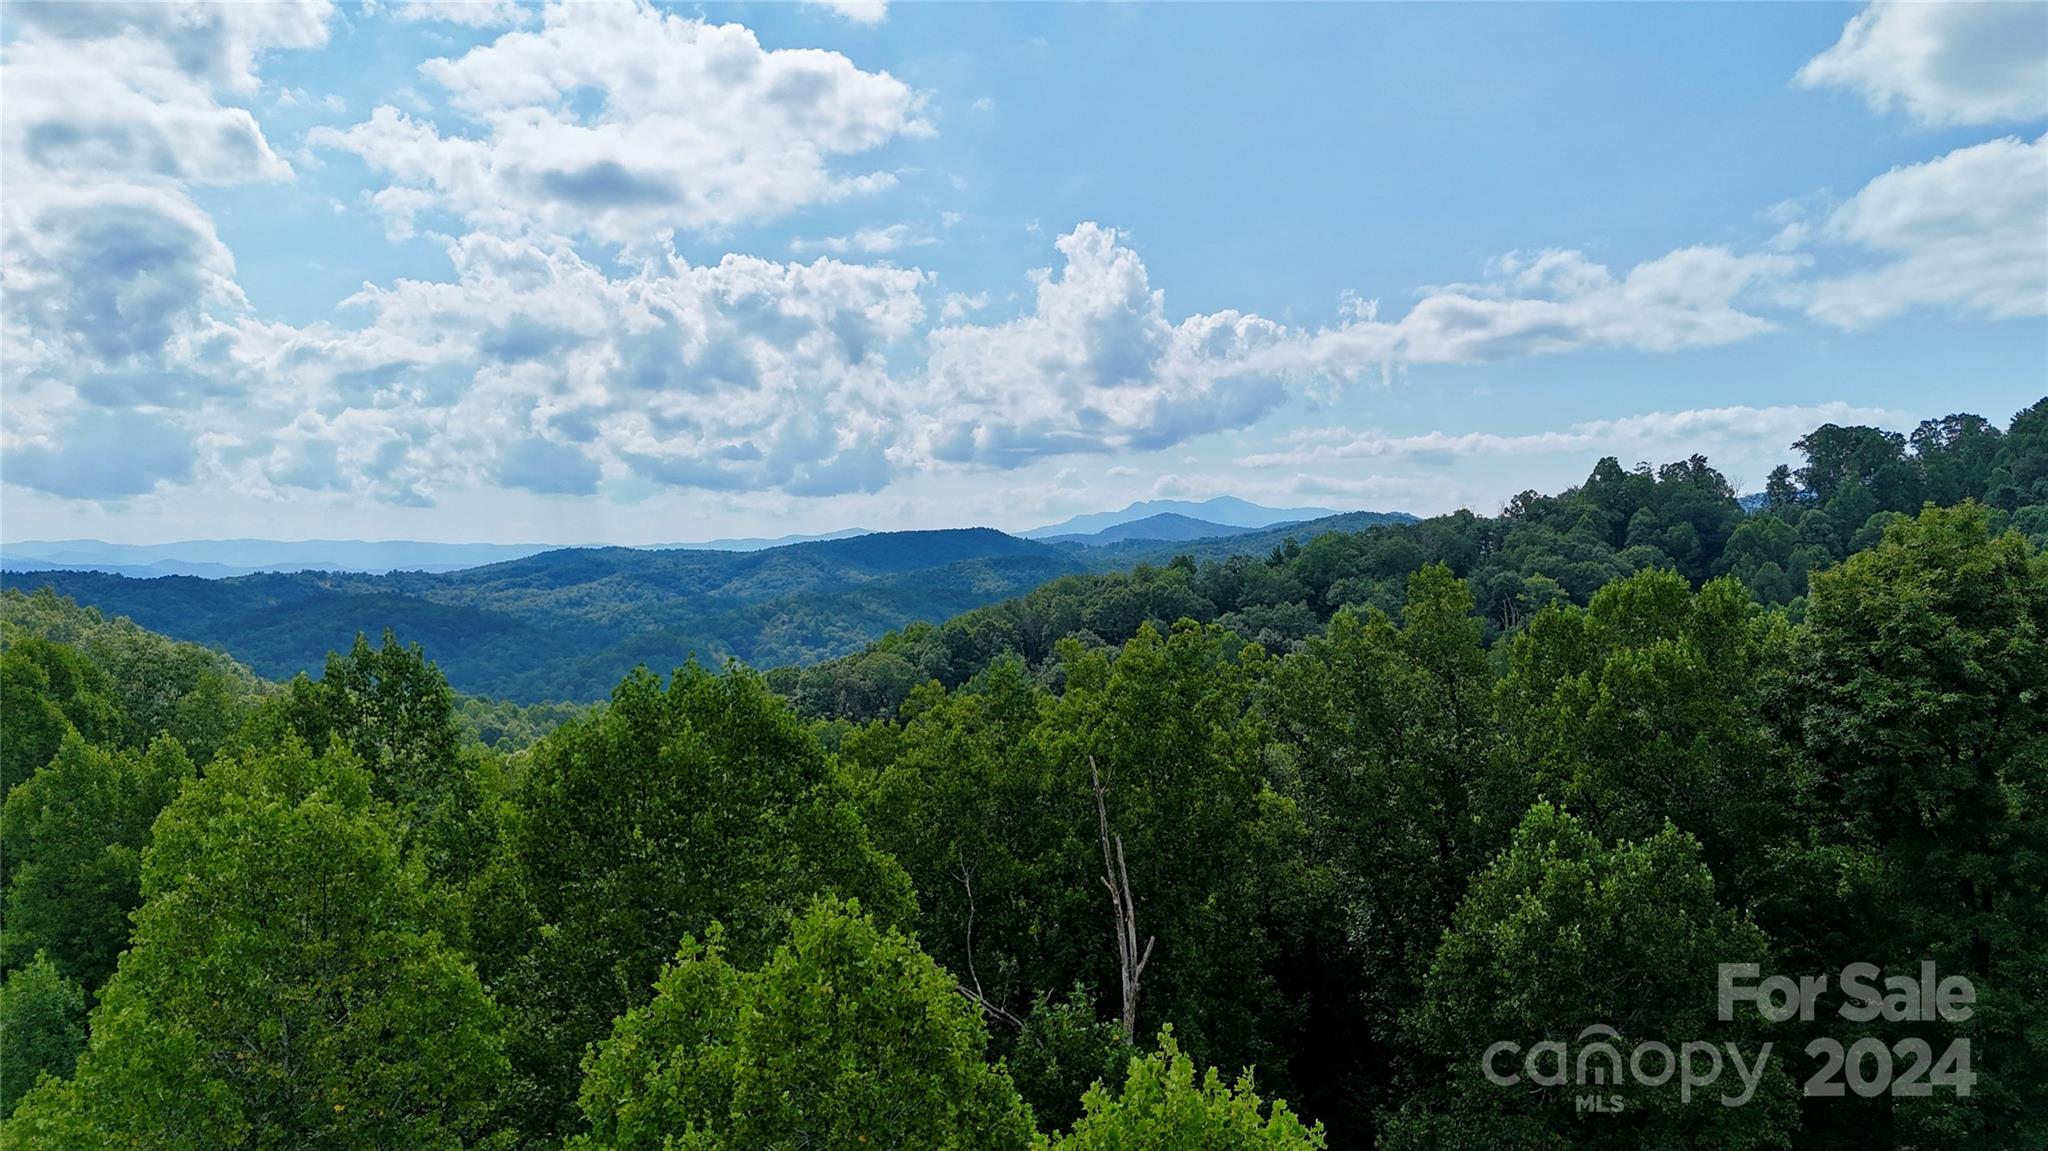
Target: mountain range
x=221 y=559
x=603 y=610
x=217 y=559
x=1223 y=511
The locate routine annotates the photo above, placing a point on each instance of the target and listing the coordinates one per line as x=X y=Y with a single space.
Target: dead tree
x=974 y=994
x=1117 y=878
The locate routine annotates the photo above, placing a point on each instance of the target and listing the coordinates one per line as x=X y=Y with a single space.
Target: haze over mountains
x=1222 y=511
x=219 y=559
x=216 y=559
x=604 y=609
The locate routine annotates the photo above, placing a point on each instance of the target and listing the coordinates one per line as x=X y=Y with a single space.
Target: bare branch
x=1116 y=876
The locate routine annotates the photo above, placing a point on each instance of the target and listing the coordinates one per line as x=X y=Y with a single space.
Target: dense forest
x=1282 y=586
x=601 y=611
x=1242 y=851
x=598 y=611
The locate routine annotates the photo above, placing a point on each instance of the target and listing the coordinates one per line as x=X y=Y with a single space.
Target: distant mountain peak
x=1227 y=511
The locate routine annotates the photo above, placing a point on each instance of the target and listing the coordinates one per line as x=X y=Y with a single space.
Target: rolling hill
x=567 y=624
x=595 y=611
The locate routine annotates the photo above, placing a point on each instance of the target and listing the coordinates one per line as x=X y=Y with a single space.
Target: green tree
x=1063 y=1049
x=73 y=836
x=847 y=1036
x=42 y=1028
x=1389 y=734
x=1918 y=695
x=281 y=991
x=1561 y=935
x=1647 y=706
x=46 y=691
x=1163 y=1106
x=668 y=810
x=1009 y=894
x=1213 y=851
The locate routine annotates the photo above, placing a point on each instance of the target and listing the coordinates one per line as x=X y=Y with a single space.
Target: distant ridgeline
x=852 y=624
x=1280 y=586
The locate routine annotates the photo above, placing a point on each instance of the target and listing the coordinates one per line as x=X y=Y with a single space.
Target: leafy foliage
x=282 y=989
x=846 y=1036
x=673 y=808
x=1165 y=1106
x=42 y=1028
x=73 y=836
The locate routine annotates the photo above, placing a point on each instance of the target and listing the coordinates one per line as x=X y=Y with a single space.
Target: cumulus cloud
x=625 y=123
x=1967 y=230
x=1559 y=301
x=122 y=300
x=122 y=109
x=870 y=241
x=1946 y=63
x=1095 y=366
x=112 y=274
x=534 y=368
x=102 y=455
x=216 y=44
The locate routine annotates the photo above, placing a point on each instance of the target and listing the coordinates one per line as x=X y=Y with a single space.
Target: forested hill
x=597 y=612
x=567 y=624
x=1281 y=586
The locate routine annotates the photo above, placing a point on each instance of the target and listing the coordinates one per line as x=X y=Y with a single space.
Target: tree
x=1561 y=935
x=1648 y=706
x=992 y=836
x=1918 y=696
x=1955 y=455
x=42 y=1028
x=1390 y=739
x=73 y=836
x=46 y=691
x=1837 y=455
x=1061 y=1051
x=669 y=810
x=281 y=990
x=1162 y=1106
x=847 y=1036
x=1212 y=850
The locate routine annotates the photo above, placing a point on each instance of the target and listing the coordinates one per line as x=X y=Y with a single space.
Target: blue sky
x=633 y=274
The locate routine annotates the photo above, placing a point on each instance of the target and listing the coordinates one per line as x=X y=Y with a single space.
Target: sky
x=634 y=274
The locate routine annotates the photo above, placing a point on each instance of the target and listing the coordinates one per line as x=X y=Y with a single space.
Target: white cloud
x=469 y=13
x=1559 y=301
x=1734 y=430
x=858 y=11
x=533 y=368
x=870 y=241
x=121 y=109
x=625 y=123
x=1095 y=366
x=115 y=278
x=217 y=44
x=299 y=97
x=957 y=305
x=1942 y=63
x=1967 y=230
